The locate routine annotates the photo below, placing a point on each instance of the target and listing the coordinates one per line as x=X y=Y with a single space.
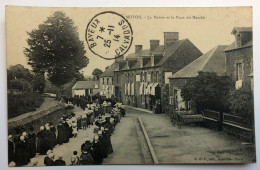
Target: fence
x=241 y=127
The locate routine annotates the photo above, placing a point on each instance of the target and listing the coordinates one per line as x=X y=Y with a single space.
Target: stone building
x=141 y=79
x=107 y=87
x=239 y=57
x=211 y=61
x=85 y=88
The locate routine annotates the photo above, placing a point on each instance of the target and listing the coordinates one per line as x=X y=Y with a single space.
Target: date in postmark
x=109 y=35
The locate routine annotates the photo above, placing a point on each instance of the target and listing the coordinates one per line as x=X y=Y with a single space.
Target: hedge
x=23 y=103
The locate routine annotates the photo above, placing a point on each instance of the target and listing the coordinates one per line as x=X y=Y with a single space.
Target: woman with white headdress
x=22 y=153
x=10 y=149
x=40 y=141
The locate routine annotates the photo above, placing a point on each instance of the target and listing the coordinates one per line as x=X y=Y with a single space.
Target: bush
x=208 y=91
x=242 y=103
x=23 y=103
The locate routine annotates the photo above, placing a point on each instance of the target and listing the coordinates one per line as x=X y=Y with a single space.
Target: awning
x=148 y=89
x=153 y=88
x=132 y=89
x=129 y=89
x=125 y=89
x=112 y=90
x=141 y=88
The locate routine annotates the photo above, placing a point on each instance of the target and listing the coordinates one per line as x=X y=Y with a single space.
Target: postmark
x=109 y=35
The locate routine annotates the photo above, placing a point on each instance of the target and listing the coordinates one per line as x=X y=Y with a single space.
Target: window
x=145 y=77
x=107 y=81
x=112 y=80
x=171 y=100
x=91 y=91
x=239 y=71
x=152 y=77
x=103 y=80
x=141 y=77
x=157 y=76
x=189 y=105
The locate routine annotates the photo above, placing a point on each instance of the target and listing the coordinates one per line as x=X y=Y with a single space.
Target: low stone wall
x=31 y=116
x=238 y=131
x=212 y=119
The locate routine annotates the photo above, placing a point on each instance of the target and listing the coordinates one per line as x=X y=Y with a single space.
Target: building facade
x=141 y=79
x=107 y=87
x=239 y=57
x=211 y=61
x=85 y=88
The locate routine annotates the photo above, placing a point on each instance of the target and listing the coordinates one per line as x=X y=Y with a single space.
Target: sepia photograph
x=129 y=86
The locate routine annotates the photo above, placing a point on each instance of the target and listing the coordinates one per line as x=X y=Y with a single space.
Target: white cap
x=96 y=137
x=34 y=161
x=10 y=136
x=42 y=128
x=99 y=132
x=48 y=128
x=12 y=164
x=24 y=134
x=51 y=155
x=102 y=128
x=21 y=137
x=49 y=151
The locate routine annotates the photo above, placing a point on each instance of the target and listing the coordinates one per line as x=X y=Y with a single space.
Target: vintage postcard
x=102 y=86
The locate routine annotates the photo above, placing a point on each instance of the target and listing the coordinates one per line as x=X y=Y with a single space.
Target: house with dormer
x=239 y=57
x=141 y=78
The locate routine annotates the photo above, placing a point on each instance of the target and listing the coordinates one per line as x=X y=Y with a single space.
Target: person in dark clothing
x=86 y=158
x=22 y=152
x=40 y=141
x=53 y=135
x=66 y=132
x=79 y=123
x=32 y=142
x=48 y=139
x=59 y=161
x=103 y=144
x=61 y=133
x=49 y=160
x=108 y=139
x=10 y=149
x=97 y=151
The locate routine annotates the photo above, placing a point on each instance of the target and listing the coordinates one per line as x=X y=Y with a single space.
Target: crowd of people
x=25 y=144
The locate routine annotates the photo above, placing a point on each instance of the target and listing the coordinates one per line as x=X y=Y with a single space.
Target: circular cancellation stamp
x=109 y=35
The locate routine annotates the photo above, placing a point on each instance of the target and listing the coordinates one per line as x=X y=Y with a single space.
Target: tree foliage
x=55 y=49
x=209 y=91
x=38 y=83
x=19 y=72
x=241 y=102
x=96 y=73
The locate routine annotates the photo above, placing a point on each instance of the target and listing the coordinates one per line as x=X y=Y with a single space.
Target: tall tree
x=55 y=48
x=96 y=73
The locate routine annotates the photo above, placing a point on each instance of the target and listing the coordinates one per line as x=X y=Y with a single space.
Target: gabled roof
x=241 y=29
x=211 y=61
x=160 y=50
x=86 y=85
x=109 y=72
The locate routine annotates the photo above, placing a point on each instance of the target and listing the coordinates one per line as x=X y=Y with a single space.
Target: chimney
x=154 y=44
x=118 y=59
x=170 y=37
x=138 y=48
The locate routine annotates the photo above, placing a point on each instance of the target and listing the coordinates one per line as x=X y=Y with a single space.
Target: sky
x=210 y=27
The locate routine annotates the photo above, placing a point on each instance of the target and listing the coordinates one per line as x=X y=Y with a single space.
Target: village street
x=190 y=144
